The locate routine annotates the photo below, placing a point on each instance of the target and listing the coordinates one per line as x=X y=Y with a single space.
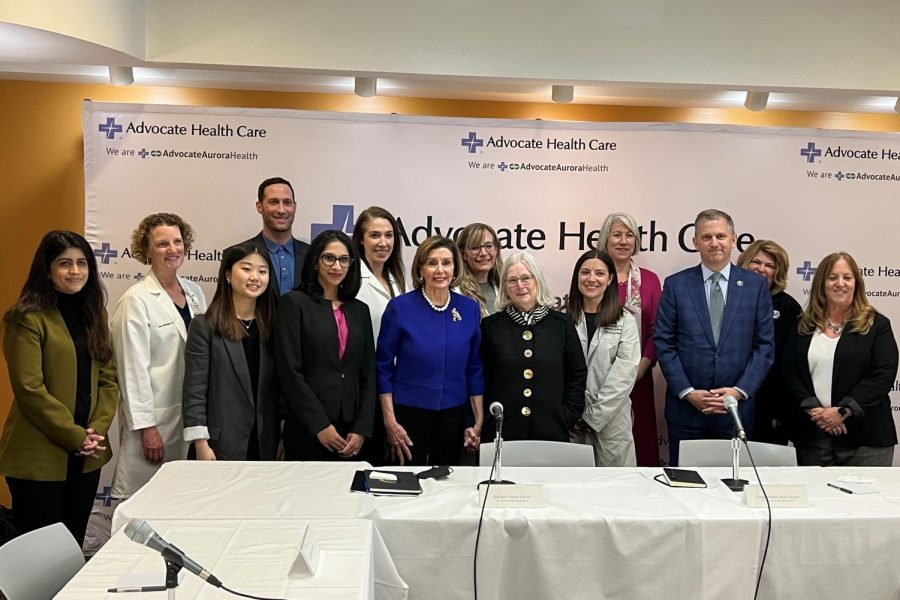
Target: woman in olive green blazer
x=59 y=356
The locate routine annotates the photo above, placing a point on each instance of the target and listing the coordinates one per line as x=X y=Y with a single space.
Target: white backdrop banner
x=545 y=186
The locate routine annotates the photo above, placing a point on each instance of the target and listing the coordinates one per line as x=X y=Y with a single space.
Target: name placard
x=781 y=495
x=525 y=495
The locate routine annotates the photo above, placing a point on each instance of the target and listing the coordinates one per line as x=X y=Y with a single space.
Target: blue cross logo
x=341 y=219
x=138 y=276
x=807 y=270
x=110 y=128
x=143 y=153
x=105 y=498
x=105 y=252
x=839 y=176
x=503 y=166
x=811 y=152
x=472 y=142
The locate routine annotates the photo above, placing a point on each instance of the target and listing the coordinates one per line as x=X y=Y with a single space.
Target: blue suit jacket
x=689 y=357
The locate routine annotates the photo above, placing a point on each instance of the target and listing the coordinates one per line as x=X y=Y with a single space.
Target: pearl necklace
x=432 y=305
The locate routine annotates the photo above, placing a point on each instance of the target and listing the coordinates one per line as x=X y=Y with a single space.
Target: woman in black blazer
x=230 y=405
x=325 y=355
x=533 y=362
x=839 y=366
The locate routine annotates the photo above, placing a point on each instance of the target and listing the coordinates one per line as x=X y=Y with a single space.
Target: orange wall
x=41 y=154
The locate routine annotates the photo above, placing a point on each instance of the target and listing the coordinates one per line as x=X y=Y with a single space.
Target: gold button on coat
x=527 y=335
x=527 y=373
x=526 y=411
x=528 y=353
x=527 y=393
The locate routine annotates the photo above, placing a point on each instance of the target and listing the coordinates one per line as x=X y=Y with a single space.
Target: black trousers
x=437 y=435
x=37 y=504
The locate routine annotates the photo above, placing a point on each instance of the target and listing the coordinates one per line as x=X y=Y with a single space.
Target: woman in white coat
x=612 y=349
x=382 y=278
x=149 y=329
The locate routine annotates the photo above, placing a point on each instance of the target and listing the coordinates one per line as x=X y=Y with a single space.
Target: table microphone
x=140 y=531
x=731 y=406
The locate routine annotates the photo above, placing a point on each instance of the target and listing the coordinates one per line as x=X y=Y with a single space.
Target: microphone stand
x=498 y=448
x=735 y=483
x=172 y=570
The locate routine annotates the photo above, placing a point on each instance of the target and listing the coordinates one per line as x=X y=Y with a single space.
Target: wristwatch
x=843 y=411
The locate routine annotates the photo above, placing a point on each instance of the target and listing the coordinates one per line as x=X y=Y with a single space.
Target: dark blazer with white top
x=865 y=366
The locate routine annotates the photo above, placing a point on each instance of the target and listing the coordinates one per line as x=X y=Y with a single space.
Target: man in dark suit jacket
x=275 y=202
x=713 y=337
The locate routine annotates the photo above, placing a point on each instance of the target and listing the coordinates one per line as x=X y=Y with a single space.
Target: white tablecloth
x=249 y=556
x=604 y=533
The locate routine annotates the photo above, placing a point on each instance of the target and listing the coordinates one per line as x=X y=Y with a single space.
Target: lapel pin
x=776 y=314
x=740 y=283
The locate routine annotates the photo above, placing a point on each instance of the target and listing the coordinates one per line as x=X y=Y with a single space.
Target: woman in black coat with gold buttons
x=533 y=363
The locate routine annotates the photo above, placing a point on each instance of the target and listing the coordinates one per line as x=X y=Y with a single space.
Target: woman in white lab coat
x=612 y=349
x=376 y=238
x=149 y=329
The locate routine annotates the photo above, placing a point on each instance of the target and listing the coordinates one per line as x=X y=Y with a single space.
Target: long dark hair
x=610 y=307
x=39 y=294
x=220 y=313
x=394 y=263
x=310 y=280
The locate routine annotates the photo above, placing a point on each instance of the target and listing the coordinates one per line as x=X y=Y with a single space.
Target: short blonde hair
x=778 y=254
x=544 y=297
x=626 y=220
x=435 y=242
x=140 y=237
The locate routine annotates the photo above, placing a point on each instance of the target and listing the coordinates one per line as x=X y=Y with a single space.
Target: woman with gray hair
x=533 y=363
x=639 y=292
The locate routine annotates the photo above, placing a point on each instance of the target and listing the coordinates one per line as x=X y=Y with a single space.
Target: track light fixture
x=121 y=76
x=563 y=93
x=756 y=101
x=366 y=86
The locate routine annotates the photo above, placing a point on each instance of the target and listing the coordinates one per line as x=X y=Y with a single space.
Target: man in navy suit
x=714 y=337
x=275 y=203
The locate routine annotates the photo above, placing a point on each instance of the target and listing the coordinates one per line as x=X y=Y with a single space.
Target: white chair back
x=539 y=453
x=717 y=453
x=38 y=564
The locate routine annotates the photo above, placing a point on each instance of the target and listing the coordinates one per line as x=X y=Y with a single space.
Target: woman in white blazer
x=382 y=267
x=382 y=278
x=612 y=349
x=149 y=329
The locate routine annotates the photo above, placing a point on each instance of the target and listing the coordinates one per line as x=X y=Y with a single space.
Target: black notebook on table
x=684 y=478
x=406 y=484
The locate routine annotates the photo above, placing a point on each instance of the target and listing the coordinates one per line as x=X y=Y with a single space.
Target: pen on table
x=837 y=487
x=146 y=588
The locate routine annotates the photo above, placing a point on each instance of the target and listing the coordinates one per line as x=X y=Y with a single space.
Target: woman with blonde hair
x=480 y=249
x=639 y=293
x=839 y=366
x=771 y=261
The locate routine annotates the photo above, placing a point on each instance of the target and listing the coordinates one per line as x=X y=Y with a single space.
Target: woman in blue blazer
x=230 y=392
x=325 y=355
x=428 y=362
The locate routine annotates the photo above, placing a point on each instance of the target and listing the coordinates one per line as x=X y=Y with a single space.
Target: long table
x=603 y=533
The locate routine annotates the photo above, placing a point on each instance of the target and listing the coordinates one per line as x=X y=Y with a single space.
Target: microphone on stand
x=496 y=410
x=731 y=406
x=140 y=531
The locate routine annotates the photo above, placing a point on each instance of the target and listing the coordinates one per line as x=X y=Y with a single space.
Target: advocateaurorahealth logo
x=473 y=142
x=110 y=128
x=105 y=252
x=811 y=152
x=341 y=219
x=806 y=270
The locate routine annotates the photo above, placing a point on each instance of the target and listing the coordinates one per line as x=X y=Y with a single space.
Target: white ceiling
x=183 y=58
